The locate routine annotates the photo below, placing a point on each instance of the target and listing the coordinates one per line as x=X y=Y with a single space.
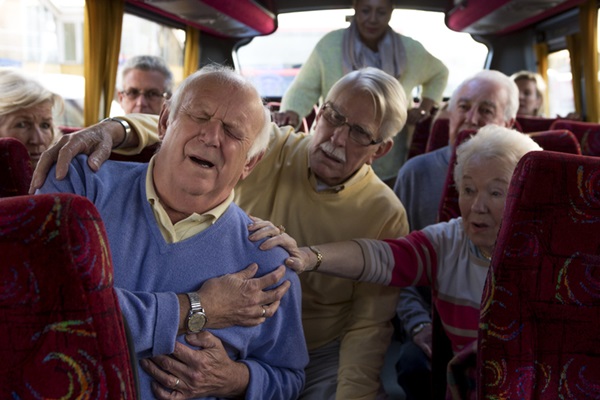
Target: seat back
x=439 y=135
x=561 y=141
x=534 y=124
x=61 y=329
x=15 y=168
x=587 y=134
x=539 y=331
x=448 y=208
x=418 y=144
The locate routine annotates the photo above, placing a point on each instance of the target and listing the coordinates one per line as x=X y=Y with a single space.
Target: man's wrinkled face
x=334 y=156
x=205 y=147
x=478 y=103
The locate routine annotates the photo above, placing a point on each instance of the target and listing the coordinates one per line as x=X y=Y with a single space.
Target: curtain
x=191 y=61
x=541 y=52
x=102 y=42
x=575 y=56
x=589 y=51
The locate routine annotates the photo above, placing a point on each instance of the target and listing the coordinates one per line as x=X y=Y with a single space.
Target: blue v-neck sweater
x=149 y=272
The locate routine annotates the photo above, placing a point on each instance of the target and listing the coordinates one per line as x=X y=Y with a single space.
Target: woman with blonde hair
x=532 y=91
x=26 y=112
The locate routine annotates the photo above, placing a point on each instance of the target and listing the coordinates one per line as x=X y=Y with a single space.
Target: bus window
x=273 y=61
x=44 y=39
x=143 y=37
x=560 y=84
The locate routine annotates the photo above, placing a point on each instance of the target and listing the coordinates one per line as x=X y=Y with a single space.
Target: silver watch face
x=196 y=322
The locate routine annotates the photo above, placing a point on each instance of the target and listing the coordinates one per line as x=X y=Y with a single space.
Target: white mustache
x=336 y=152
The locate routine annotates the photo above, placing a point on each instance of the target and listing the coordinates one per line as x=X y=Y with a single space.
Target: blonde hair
x=540 y=87
x=18 y=92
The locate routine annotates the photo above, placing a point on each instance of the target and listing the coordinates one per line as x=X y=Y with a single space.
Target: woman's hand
x=300 y=258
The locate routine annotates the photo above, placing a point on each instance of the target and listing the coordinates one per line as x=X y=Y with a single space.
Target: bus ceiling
x=250 y=18
x=484 y=17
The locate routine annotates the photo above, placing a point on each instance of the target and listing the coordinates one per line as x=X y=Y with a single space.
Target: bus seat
x=587 y=133
x=420 y=136
x=438 y=137
x=562 y=141
x=538 y=330
x=448 y=208
x=517 y=126
x=534 y=124
x=62 y=334
x=15 y=168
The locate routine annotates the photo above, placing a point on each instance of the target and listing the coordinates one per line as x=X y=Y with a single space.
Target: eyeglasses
x=150 y=95
x=356 y=132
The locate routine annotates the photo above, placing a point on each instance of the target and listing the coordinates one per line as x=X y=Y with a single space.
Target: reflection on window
x=560 y=84
x=273 y=61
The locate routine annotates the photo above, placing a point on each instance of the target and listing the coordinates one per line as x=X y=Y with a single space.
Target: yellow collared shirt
x=188 y=227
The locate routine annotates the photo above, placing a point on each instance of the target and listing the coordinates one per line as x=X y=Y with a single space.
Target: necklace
x=485 y=254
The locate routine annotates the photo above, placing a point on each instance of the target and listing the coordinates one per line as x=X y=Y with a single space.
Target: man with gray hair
x=322 y=187
x=145 y=84
x=172 y=226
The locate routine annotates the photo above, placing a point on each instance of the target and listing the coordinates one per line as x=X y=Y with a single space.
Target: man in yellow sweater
x=322 y=188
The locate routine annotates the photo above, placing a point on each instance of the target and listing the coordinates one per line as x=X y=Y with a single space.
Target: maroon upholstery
x=562 y=141
x=539 y=329
x=534 y=124
x=61 y=330
x=587 y=133
x=448 y=208
x=438 y=137
x=420 y=136
x=15 y=168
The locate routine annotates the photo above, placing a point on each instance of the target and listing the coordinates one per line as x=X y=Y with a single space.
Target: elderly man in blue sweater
x=172 y=225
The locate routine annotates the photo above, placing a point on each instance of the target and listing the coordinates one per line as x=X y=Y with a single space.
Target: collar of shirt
x=321 y=186
x=188 y=227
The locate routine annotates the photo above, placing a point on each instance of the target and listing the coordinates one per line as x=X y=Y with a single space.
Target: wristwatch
x=419 y=328
x=196 y=319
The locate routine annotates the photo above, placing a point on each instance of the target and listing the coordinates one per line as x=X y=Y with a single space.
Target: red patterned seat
x=15 y=168
x=420 y=137
x=534 y=124
x=438 y=137
x=61 y=331
x=562 y=141
x=587 y=133
x=448 y=208
x=539 y=329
